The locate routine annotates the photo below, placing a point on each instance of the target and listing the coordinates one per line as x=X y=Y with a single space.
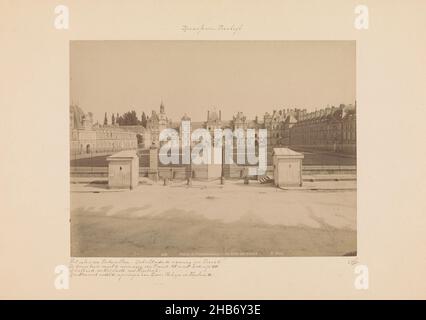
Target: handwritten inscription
x=149 y=267
x=197 y=29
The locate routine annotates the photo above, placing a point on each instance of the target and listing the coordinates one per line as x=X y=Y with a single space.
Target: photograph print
x=213 y=148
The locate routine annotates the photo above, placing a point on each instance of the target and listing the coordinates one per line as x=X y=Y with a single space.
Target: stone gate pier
x=287 y=166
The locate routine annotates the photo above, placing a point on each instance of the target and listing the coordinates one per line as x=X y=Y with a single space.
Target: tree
x=105 y=120
x=128 y=118
x=143 y=120
x=133 y=118
x=113 y=119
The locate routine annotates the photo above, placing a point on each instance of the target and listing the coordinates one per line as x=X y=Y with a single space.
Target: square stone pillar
x=123 y=170
x=287 y=167
x=153 y=163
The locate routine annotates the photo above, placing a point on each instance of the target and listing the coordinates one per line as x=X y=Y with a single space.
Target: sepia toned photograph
x=209 y=156
x=213 y=148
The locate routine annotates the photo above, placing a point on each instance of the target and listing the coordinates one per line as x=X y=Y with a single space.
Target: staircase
x=265 y=179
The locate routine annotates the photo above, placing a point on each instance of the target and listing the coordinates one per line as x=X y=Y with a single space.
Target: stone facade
x=155 y=124
x=330 y=129
x=87 y=139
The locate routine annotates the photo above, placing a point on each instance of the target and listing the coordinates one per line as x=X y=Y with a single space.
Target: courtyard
x=311 y=157
x=209 y=219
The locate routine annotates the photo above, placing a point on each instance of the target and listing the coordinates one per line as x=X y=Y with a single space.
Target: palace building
x=329 y=129
x=87 y=139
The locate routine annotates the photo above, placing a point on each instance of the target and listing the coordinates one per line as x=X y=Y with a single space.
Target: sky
x=193 y=77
